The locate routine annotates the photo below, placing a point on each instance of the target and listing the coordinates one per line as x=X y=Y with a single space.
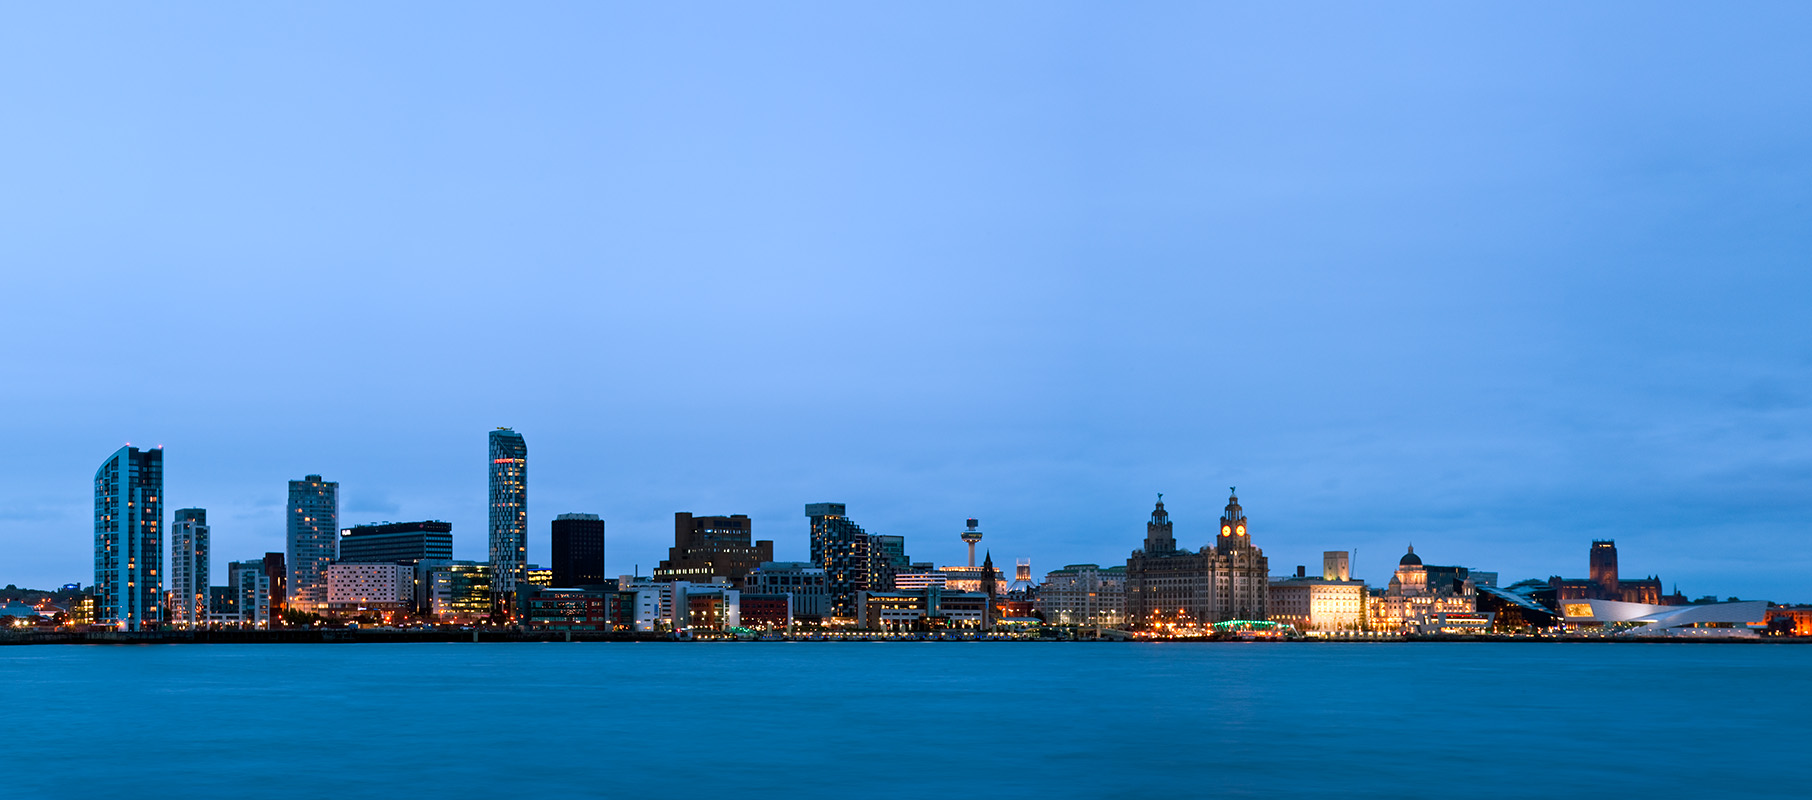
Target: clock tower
x=1233 y=536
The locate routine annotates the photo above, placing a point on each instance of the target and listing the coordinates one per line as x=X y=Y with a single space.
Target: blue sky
x=1490 y=280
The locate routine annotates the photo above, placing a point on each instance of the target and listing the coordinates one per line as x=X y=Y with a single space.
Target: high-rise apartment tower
x=509 y=510
x=314 y=537
x=840 y=548
x=128 y=538
x=189 y=567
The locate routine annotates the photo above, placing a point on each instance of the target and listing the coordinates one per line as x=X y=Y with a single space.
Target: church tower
x=1159 y=537
x=991 y=588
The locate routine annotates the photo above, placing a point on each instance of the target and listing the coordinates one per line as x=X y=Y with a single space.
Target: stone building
x=1168 y=586
x=1413 y=597
x=1084 y=594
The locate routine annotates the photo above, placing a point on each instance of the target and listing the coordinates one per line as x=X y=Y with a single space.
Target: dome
x=1410 y=559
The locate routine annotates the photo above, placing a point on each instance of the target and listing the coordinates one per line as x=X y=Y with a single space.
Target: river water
x=893 y=719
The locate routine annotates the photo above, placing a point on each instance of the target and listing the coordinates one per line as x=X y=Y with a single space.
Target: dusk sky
x=1489 y=282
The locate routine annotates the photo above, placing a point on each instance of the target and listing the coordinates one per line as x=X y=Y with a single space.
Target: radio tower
x=972 y=536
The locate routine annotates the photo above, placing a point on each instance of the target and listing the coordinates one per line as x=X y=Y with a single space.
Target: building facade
x=509 y=510
x=1168 y=586
x=713 y=547
x=456 y=592
x=189 y=567
x=840 y=548
x=1413 y=601
x=251 y=594
x=578 y=550
x=804 y=582
x=314 y=537
x=569 y=609
x=128 y=539
x=919 y=579
x=1318 y=604
x=929 y=609
x=1084 y=594
x=389 y=586
x=396 y=542
x=886 y=559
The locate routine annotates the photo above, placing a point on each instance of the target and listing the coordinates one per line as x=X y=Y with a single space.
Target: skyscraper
x=128 y=538
x=509 y=510
x=314 y=535
x=189 y=567
x=578 y=550
x=840 y=548
x=707 y=547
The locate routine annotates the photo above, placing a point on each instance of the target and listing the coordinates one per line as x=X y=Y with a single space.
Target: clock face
x=1225 y=530
x=1242 y=530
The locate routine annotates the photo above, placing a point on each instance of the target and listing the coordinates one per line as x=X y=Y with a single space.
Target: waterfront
x=904 y=719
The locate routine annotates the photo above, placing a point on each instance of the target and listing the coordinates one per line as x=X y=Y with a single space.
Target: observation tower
x=972 y=537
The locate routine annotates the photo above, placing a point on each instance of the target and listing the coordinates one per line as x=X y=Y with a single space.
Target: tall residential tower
x=840 y=548
x=314 y=537
x=128 y=540
x=509 y=510
x=189 y=567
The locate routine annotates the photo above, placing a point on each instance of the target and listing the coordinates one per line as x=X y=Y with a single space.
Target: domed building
x=1420 y=596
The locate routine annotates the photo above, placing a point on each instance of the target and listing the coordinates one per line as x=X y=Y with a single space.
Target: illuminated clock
x=1241 y=530
x=1225 y=530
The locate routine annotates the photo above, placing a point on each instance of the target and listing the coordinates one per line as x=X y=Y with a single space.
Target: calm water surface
x=905 y=719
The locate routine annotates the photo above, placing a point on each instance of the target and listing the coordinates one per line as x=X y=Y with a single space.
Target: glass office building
x=396 y=542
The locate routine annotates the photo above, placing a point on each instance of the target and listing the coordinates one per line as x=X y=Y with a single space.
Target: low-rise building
x=928 y=609
x=566 y=609
x=804 y=581
x=1318 y=604
x=680 y=606
x=1614 y=617
x=456 y=592
x=771 y=612
x=370 y=583
x=1799 y=619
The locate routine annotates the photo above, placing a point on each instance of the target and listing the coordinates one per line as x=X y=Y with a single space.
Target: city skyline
x=1490 y=283
x=312 y=496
